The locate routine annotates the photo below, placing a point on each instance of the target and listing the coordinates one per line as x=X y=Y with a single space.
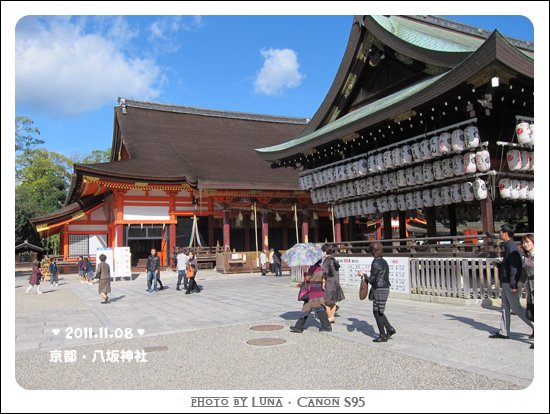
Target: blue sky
x=70 y=70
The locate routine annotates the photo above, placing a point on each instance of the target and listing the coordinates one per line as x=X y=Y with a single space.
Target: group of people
x=271 y=262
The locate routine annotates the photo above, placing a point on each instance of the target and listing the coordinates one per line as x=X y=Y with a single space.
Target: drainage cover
x=266 y=341
x=265 y=328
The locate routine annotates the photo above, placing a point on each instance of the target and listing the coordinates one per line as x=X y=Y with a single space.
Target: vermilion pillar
x=337 y=231
x=305 y=229
x=119 y=226
x=172 y=226
x=226 y=230
x=65 y=240
x=265 y=232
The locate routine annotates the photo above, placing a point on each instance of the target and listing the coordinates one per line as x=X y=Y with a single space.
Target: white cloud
x=63 y=70
x=280 y=70
x=165 y=27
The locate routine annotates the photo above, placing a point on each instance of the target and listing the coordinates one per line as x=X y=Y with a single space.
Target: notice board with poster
x=122 y=262
x=399 y=271
x=107 y=251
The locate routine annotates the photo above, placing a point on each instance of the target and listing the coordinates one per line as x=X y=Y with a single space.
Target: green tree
x=25 y=134
x=96 y=156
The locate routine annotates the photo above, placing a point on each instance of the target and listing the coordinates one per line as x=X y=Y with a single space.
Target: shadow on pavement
x=117 y=298
x=291 y=316
x=360 y=326
x=486 y=328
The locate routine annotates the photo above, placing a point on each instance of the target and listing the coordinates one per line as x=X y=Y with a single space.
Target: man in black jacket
x=510 y=275
x=153 y=270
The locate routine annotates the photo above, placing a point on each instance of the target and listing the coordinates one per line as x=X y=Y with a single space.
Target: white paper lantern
x=392 y=201
x=427 y=198
x=396 y=157
x=416 y=152
x=530 y=190
x=362 y=167
x=467 y=191
x=364 y=207
x=531 y=156
x=457 y=140
x=302 y=183
x=357 y=185
x=418 y=175
x=426 y=150
x=370 y=185
x=434 y=146
x=445 y=143
x=380 y=162
x=458 y=165
x=513 y=157
x=524 y=133
x=382 y=203
x=532 y=128
x=402 y=178
x=388 y=162
x=436 y=196
x=483 y=161
x=410 y=176
x=392 y=179
x=471 y=136
x=523 y=188
x=377 y=183
x=446 y=197
x=386 y=181
x=371 y=163
x=418 y=201
x=406 y=155
x=515 y=189
x=349 y=170
x=427 y=172
x=470 y=163
x=505 y=188
x=351 y=189
x=456 y=193
x=525 y=166
x=401 y=202
x=447 y=165
x=411 y=203
x=438 y=170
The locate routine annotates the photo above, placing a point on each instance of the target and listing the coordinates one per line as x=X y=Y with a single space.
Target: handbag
x=303 y=294
x=371 y=294
x=189 y=272
x=363 y=290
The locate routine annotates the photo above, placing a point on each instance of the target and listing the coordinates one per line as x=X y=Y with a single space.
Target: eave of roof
x=495 y=49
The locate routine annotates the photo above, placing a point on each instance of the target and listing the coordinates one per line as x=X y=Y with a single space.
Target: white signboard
x=107 y=251
x=122 y=262
x=399 y=271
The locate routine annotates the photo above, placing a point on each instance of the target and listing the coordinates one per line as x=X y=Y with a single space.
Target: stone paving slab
x=445 y=336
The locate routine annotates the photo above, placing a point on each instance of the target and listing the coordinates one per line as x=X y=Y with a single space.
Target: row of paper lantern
x=437 y=146
x=525 y=132
x=520 y=160
x=435 y=197
x=456 y=166
x=516 y=189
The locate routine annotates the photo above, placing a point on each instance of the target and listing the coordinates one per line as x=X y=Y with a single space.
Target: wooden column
x=247 y=235
x=119 y=226
x=265 y=232
x=316 y=232
x=487 y=222
x=65 y=240
x=531 y=217
x=211 y=242
x=431 y=227
x=452 y=219
x=226 y=231
x=345 y=229
x=337 y=231
x=172 y=226
x=305 y=228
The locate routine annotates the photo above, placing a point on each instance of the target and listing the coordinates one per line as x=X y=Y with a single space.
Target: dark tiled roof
x=27 y=245
x=167 y=142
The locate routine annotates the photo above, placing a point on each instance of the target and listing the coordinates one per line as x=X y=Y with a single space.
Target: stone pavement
x=199 y=341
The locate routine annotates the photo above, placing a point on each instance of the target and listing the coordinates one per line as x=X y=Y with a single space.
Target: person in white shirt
x=272 y=260
x=263 y=262
x=181 y=263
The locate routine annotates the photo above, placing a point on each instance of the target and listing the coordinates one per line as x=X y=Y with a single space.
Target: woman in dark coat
x=316 y=302
x=103 y=273
x=528 y=244
x=380 y=285
x=34 y=280
x=333 y=290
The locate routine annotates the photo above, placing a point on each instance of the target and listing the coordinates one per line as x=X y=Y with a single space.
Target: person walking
x=528 y=244
x=103 y=273
x=153 y=270
x=87 y=270
x=316 y=302
x=333 y=290
x=271 y=261
x=181 y=264
x=277 y=262
x=510 y=271
x=191 y=273
x=263 y=262
x=81 y=270
x=380 y=284
x=34 y=280
x=53 y=272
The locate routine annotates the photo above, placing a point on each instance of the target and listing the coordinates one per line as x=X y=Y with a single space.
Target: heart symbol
x=141 y=331
x=55 y=331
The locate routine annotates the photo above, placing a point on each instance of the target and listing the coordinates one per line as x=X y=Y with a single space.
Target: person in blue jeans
x=153 y=270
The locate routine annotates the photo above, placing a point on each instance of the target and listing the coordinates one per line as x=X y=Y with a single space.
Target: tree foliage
x=25 y=134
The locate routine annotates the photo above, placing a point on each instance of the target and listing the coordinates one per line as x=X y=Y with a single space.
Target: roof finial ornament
x=122 y=103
